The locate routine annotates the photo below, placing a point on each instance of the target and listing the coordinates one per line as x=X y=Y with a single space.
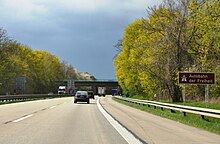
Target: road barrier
x=5 y=98
x=173 y=107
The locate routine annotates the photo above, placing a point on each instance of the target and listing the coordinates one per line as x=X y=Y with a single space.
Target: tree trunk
x=175 y=92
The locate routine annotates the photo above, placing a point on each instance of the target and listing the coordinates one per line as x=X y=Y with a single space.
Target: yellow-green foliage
x=179 y=37
x=40 y=68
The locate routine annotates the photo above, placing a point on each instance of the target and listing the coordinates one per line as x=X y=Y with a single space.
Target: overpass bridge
x=92 y=85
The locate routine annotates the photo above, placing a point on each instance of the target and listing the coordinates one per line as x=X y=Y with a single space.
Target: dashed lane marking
x=23 y=118
x=53 y=107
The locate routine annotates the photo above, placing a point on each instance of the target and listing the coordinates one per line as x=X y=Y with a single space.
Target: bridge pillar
x=94 y=89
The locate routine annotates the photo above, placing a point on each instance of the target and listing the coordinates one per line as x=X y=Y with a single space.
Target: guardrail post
x=184 y=114
x=203 y=117
x=155 y=107
x=172 y=111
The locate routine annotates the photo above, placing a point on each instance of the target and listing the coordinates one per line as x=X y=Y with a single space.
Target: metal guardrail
x=4 y=98
x=173 y=107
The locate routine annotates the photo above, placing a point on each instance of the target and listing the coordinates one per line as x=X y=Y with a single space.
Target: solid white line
x=129 y=137
x=23 y=118
x=53 y=107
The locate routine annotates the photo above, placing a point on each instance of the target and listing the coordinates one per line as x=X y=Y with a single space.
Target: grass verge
x=188 y=103
x=209 y=124
x=197 y=104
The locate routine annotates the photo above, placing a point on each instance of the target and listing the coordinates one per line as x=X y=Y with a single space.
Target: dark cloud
x=83 y=39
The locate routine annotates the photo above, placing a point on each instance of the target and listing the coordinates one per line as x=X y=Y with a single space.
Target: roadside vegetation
x=201 y=104
x=209 y=124
x=198 y=104
x=177 y=36
x=39 y=69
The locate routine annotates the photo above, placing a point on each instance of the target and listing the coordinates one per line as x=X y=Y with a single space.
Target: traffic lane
x=66 y=123
x=11 y=112
x=154 y=129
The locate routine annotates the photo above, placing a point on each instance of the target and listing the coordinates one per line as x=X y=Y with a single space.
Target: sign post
x=207 y=95
x=184 y=94
x=200 y=78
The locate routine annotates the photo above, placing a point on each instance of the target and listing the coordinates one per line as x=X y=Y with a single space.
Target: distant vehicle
x=62 y=90
x=114 y=92
x=101 y=91
x=91 y=94
x=50 y=93
x=81 y=96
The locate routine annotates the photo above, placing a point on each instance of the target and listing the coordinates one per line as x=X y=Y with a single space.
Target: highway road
x=60 y=121
x=157 y=130
x=56 y=121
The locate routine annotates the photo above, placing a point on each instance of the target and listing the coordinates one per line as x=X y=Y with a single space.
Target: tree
x=178 y=36
x=204 y=19
x=45 y=72
x=40 y=68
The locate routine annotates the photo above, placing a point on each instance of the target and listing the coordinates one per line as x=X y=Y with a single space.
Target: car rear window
x=81 y=93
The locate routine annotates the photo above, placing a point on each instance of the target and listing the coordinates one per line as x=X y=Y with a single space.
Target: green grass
x=203 y=105
x=197 y=104
x=194 y=104
x=209 y=124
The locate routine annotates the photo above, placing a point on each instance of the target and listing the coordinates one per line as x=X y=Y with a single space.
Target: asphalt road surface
x=56 y=121
x=60 y=121
x=156 y=130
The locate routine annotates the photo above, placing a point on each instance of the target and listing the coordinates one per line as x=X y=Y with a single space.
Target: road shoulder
x=154 y=129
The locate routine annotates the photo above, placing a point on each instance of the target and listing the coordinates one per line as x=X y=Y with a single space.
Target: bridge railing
x=173 y=107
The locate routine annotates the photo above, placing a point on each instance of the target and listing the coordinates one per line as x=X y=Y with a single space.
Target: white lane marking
x=53 y=107
x=73 y=100
x=23 y=118
x=129 y=137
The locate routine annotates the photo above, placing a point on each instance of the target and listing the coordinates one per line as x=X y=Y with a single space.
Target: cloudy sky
x=81 y=32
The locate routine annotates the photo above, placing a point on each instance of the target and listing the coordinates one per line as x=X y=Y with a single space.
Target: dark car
x=81 y=96
x=91 y=94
